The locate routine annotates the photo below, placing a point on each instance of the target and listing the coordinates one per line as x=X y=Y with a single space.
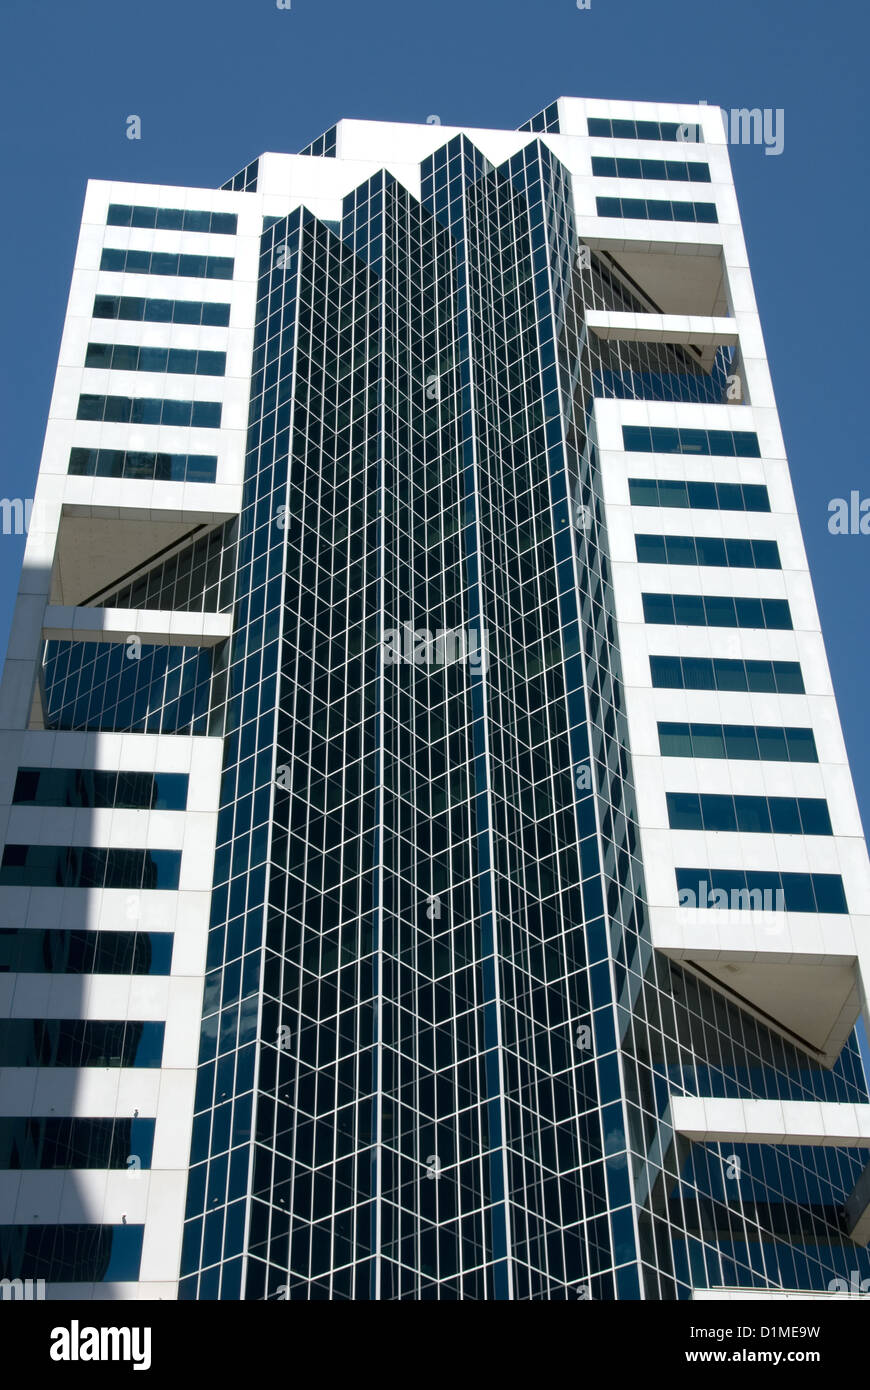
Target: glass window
x=699 y=673
x=666 y=673
x=750 y=612
x=755 y=497
x=801 y=745
x=776 y=613
x=766 y=555
x=693 y=441
x=665 y=441
x=829 y=894
x=197 y=221
x=636 y=439
x=170 y=219
x=760 y=674
x=643 y=492
x=684 y=811
x=720 y=610
x=815 y=819
x=707 y=741
x=772 y=745
x=144 y=217
x=784 y=815
x=98 y=355
x=746 y=444
x=658 y=608
x=674 y=494
x=739 y=553
x=711 y=550
x=730 y=496
x=675 y=740
x=703 y=495
x=650 y=549
x=753 y=816
x=681 y=550
x=718 y=813
x=788 y=678
x=797 y=889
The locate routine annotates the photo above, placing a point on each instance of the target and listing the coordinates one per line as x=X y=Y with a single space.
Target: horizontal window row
x=143 y=410
x=726 y=673
x=716 y=610
x=130 y=463
x=718 y=497
x=69 y=1253
x=750 y=815
x=80 y=1042
x=122 y=357
x=67 y=786
x=756 y=742
x=167 y=263
x=643 y=439
x=707 y=550
x=676 y=170
x=754 y=889
x=122 y=306
x=172 y=219
x=55 y=951
x=50 y=1142
x=84 y=866
x=642 y=130
x=656 y=209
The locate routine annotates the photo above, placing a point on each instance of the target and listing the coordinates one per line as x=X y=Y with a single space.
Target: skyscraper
x=431 y=867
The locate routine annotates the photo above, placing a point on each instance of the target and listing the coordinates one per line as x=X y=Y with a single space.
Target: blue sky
x=215 y=82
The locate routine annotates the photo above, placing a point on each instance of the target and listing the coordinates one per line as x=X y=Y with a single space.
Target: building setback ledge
x=149 y=625
x=662 y=328
x=706 y=1119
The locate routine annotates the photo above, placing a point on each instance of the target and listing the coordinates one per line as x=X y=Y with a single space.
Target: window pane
x=814 y=815
x=684 y=811
x=829 y=893
x=784 y=815
x=772 y=745
x=707 y=741
x=801 y=745
x=753 y=816
x=643 y=492
x=675 y=741
x=719 y=813
x=673 y=494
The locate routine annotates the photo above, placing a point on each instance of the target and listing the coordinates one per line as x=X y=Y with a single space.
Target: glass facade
x=438 y=1047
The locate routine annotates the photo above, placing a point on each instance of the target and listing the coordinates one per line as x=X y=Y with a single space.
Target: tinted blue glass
x=784 y=815
x=814 y=815
x=71 y=1253
x=718 y=812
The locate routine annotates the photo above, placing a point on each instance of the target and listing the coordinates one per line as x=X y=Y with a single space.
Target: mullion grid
x=337 y=1260
x=423 y=1220
x=533 y=1265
